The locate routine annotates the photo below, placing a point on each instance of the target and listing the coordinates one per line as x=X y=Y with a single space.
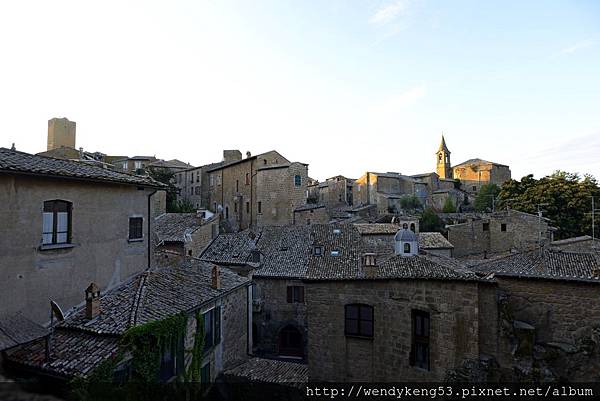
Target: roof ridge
x=133 y=315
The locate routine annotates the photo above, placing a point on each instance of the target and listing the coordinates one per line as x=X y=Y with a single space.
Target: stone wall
x=564 y=340
x=311 y=216
x=521 y=232
x=473 y=176
x=278 y=194
x=101 y=252
x=455 y=329
x=233 y=348
x=273 y=313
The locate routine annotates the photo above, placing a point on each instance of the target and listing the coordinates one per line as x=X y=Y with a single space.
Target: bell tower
x=443 y=168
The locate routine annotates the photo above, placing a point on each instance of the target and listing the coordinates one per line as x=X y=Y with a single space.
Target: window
x=247 y=207
x=412 y=227
x=318 y=250
x=405 y=226
x=486 y=226
x=237 y=185
x=259 y=207
x=503 y=227
x=419 y=354
x=337 y=231
x=297 y=180
x=56 y=222
x=197 y=190
x=290 y=342
x=295 y=294
x=335 y=253
x=235 y=207
x=137 y=164
x=247 y=178
x=205 y=374
x=226 y=212
x=474 y=188
x=265 y=162
x=212 y=180
x=135 y=228
x=359 y=320
x=172 y=359
x=197 y=176
x=406 y=247
x=212 y=328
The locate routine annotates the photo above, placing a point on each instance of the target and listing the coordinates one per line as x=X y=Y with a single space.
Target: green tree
x=410 y=202
x=449 y=206
x=486 y=197
x=430 y=221
x=166 y=176
x=566 y=199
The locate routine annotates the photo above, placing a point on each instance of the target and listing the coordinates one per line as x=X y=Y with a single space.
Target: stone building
x=179 y=235
x=311 y=213
x=133 y=165
x=398 y=316
x=92 y=334
x=278 y=257
x=336 y=192
x=549 y=314
x=61 y=133
x=193 y=185
x=498 y=232
x=472 y=173
x=258 y=190
x=65 y=224
x=386 y=190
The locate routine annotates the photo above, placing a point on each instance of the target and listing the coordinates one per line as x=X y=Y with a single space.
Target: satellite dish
x=56 y=311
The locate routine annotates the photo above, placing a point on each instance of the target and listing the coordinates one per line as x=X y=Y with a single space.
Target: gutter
x=149 y=229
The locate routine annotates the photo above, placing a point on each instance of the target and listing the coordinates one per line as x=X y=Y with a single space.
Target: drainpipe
x=149 y=229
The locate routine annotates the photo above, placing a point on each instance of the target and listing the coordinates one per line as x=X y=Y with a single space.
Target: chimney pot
x=92 y=301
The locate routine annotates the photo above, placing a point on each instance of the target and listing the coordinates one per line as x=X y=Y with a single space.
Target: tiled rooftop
x=433 y=240
x=309 y=206
x=12 y=161
x=80 y=345
x=271 y=371
x=173 y=227
x=16 y=329
x=549 y=264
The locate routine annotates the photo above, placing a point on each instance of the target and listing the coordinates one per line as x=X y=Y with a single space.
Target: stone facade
x=454 y=334
x=279 y=191
x=31 y=274
x=384 y=190
x=498 y=232
x=273 y=312
x=476 y=172
x=233 y=348
x=310 y=214
x=336 y=192
x=257 y=191
x=61 y=133
x=564 y=338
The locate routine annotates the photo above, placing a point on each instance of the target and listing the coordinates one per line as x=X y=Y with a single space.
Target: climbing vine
x=144 y=345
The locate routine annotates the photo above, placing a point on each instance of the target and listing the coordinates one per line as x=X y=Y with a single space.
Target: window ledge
x=359 y=337
x=135 y=240
x=49 y=247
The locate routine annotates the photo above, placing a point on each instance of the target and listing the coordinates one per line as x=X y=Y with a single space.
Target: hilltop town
x=246 y=269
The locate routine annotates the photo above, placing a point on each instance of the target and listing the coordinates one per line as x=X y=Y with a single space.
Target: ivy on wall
x=144 y=344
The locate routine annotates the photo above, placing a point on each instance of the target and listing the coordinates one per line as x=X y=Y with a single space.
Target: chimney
x=92 y=301
x=370 y=265
x=216 y=278
x=248 y=154
x=81 y=153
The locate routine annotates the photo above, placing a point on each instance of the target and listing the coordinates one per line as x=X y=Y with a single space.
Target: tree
x=564 y=198
x=449 y=206
x=410 y=202
x=486 y=196
x=430 y=221
x=166 y=176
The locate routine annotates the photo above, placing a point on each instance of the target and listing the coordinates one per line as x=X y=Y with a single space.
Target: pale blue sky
x=346 y=86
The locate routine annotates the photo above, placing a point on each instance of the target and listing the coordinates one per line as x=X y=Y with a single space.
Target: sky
x=346 y=86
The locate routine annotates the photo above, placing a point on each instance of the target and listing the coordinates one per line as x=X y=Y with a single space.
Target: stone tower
x=61 y=132
x=443 y=161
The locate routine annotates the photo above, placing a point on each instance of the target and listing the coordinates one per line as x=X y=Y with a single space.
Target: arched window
x=412 y=227
x=406 y=247
x=290 y=342
x=56 y=222
x=405 y=226
x=359 y=320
